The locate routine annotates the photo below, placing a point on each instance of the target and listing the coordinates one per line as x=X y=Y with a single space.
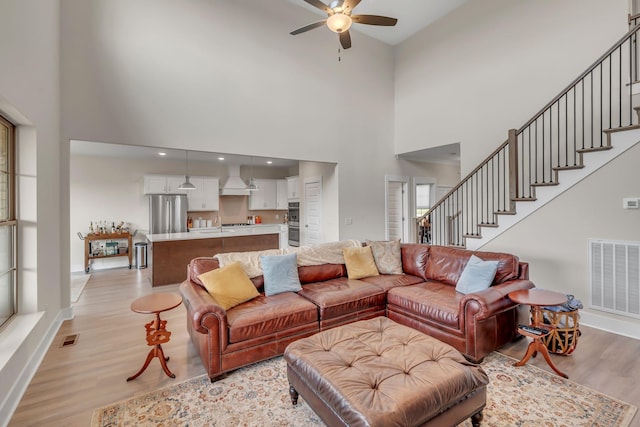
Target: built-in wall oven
x=294 y=223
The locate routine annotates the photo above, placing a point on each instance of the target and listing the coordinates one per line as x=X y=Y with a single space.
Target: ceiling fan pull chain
x=339 y=58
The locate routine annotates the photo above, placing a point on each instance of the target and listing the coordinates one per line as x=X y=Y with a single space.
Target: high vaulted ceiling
x=412 y=15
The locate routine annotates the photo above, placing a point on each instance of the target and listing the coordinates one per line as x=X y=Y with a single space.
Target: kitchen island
x=170 y=253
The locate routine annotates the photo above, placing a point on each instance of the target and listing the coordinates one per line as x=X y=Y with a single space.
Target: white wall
x=226 y=76
x=491 y=65
x=29 y=96
x=554 y=239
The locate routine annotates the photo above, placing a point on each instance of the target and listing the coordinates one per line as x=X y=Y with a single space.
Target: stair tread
x=543 y=184
x=488 y=224
x=623 y=128
x=593 y=149
x=524 y=199
x=563 y=168
x=472 y=236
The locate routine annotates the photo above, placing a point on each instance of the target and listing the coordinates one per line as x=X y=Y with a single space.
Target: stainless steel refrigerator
x=167 y=213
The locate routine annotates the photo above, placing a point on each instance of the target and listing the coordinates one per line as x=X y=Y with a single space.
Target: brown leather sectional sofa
x=424 y=297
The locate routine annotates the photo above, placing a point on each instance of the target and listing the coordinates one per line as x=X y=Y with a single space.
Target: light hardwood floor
x=72 y=381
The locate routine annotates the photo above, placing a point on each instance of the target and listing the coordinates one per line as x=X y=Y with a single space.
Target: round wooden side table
x=537 y=298
x=157 y=333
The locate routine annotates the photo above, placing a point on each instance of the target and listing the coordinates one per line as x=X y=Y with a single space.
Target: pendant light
x=186 y=185
x=252 y=184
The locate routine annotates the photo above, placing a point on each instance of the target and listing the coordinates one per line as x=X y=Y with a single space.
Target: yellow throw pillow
x=360 y=262
x=229 y=285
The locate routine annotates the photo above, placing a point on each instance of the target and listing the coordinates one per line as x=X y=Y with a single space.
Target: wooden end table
x=157 y=333
x=537 y=298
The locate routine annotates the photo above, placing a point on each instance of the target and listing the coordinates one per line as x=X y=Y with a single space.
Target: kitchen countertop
x=215 y=232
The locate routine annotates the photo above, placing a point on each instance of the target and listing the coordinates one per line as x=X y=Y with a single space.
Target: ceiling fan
x=340 y=19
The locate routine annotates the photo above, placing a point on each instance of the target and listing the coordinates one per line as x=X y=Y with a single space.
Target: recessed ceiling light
x=269 y=162
x=162 y=153
x=220 y=158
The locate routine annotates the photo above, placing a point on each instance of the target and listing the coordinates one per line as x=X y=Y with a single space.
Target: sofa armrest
x=203 y=312
x=486 y=303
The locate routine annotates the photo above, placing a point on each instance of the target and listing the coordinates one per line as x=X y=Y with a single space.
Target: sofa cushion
x=387 y=256
x=268 y=315
x=201 y=265
x=360 y=262
x=477 y=275
x=229 y=285
x=414 y=259
x=337 y=297
x=433 y=301
x=320 y=273
x=389 y=281
x=280 y=274
x=508 y=265
x=446 y=264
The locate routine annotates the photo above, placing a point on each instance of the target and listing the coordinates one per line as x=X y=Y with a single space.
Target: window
x=8 y=294
x=423 y=199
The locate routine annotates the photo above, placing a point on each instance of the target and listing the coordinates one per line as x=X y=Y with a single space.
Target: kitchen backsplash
x=235 y=210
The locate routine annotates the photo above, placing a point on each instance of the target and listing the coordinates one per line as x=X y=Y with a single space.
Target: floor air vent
x=69 y=340
x=614 y=276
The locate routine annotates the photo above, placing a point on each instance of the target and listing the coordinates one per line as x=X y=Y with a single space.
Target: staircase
x=584 y=127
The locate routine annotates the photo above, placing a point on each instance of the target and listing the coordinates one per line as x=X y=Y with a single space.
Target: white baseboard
x=627 y=328
x=9 y=405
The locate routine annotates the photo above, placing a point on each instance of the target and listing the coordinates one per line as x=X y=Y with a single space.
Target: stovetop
x=239 y=224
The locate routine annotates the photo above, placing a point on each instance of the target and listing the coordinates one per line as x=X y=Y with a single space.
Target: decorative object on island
x=186 y=185
x=157 y=333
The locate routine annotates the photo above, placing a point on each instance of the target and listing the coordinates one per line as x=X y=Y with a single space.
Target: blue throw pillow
x=477 y=275
x=280 y=274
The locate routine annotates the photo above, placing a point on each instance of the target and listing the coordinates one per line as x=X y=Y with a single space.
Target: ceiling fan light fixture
x=339 y=22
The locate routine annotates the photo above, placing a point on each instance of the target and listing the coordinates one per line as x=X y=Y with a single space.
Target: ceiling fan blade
x=345 y=39
x=308 y=27
x=351 y=4
x=320 y=5
x=374 y=20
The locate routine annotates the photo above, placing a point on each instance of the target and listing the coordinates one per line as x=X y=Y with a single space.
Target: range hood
x=234 y=185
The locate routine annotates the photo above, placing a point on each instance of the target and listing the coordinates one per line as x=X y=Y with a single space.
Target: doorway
x=312 y=231
x=397 y=208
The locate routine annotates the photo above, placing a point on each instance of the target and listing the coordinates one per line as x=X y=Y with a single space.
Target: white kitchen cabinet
x=173 y=182
x=205 y=197
x=292 y=188
x=266 y=195
x=154 y=184
x=272 y=194
x=282 y=195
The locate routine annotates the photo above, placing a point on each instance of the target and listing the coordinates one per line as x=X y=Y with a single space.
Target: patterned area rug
x=258 y=395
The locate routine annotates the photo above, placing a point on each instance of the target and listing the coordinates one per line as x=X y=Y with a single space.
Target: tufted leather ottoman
x=379 y=373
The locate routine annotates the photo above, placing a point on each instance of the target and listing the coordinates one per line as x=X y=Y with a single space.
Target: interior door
x=395 y=211
x=397 y=208
x=312 y=231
